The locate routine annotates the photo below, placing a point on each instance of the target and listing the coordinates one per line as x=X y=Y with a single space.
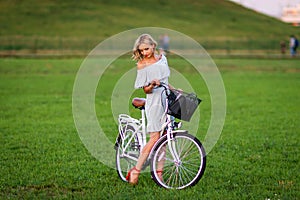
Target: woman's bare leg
x=144 y=155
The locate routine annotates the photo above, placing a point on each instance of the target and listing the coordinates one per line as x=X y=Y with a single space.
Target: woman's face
x=146 y=50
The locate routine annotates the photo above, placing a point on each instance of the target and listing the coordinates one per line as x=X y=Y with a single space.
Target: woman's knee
x=154 y=136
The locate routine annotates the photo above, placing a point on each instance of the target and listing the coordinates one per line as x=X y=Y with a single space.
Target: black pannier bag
x=182 y=105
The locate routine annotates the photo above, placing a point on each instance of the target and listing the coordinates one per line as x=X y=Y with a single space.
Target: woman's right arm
x=148 y=89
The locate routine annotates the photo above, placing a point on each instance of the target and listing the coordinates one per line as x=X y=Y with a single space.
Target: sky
x=269 y=7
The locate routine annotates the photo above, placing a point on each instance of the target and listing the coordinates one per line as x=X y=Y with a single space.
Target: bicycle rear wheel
x=185 y=172
x=127 y=152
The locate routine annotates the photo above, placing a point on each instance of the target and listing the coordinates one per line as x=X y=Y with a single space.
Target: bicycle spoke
x=184 y=172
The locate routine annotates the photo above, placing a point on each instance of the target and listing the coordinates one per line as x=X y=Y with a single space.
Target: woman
x=152 y=70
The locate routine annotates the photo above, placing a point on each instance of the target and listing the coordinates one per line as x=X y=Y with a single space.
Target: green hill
x=80 y=25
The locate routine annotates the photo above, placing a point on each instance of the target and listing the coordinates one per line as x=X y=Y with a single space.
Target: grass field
x=217 y=24
x=42 y=157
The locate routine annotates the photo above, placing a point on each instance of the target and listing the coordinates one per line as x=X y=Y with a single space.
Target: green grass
x=216 y=24
x=42 y=157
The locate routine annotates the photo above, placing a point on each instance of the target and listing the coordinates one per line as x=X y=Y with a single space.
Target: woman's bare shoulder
x=140 y=65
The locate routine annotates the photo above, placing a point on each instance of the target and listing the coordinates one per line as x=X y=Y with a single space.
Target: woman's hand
x=148 y=88
x=155 y=82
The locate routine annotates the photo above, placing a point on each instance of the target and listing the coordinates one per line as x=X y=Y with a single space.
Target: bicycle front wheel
x=181 y=172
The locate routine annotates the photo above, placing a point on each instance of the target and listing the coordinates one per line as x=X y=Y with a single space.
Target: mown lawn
x=42 y=156
x=216 y=24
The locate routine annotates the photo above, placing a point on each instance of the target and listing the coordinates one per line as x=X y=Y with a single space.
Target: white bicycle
x=182 y=155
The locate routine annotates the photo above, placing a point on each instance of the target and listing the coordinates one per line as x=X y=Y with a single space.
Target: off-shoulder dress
x=154 y=101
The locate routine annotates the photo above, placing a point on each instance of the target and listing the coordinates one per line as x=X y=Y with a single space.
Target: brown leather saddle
x=139 y=103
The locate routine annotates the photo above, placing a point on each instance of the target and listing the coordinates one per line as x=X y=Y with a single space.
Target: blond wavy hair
x=142 y=39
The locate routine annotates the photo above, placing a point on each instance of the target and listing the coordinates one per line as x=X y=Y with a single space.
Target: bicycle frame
x=169 y=125
x=139 y=127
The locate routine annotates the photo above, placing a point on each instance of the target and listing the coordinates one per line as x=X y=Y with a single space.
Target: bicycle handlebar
x=163 y=85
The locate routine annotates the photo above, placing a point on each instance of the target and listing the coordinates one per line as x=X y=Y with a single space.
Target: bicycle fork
x=173 y=150
x=171 y=141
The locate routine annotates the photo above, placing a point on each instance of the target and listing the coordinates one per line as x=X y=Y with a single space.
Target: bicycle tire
x=180 y=175
x=124 y=164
